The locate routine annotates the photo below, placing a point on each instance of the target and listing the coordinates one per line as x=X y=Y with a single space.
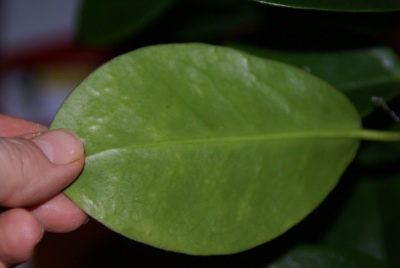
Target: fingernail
x=86 y=221
x=60 y=146
x=29 y=136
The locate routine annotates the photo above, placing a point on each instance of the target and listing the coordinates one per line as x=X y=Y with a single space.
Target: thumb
x=36 y=168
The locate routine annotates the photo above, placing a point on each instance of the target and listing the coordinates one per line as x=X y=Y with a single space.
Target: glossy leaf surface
x=108 y=21
x=338 y=5
x=359 y=74
x=206 y=150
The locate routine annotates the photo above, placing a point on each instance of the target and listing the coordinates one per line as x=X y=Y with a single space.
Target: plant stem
x=377 y=135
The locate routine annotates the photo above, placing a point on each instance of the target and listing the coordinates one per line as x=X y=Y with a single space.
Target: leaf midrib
x=337 y=133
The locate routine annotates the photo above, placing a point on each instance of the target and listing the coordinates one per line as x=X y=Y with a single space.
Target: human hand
x=35 y=166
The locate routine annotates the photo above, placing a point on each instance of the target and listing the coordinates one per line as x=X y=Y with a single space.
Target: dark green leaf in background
x=379 y=154
x=369 y=223
x=389 y=202
x=359 y=226
x=338 y=5
x=213 y=20
x=106 y=22
x=359 y=74
x=206 y=150
x=306 y=256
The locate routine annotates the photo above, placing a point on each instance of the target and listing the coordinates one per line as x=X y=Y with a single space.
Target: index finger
x=12 y=126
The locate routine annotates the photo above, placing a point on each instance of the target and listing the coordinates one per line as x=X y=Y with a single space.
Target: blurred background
x=47 y=47
x=40 y=63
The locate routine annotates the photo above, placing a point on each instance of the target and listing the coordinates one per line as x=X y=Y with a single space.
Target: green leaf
x=305 y=256
x=338 y=5
x=227 y=17
x=369 y=221
x=389 y=201
x=359 y=226
x=206 y=150
x=359 y=74
x=109 y=21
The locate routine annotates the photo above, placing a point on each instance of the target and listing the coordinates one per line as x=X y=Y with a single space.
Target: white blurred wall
x=29 y=28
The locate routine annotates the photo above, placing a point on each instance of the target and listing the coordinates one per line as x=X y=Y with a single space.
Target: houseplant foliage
x=267 y=30
x=340 y=5
x=194 y=143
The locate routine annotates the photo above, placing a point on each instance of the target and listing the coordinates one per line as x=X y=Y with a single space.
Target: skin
x=35 y=166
